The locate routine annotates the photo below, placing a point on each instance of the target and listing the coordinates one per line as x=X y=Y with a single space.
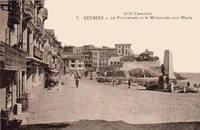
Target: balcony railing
x=14 y=12
x=2 y=51
x=13 y=58
x=37 y=53
x=28 y=9
x=40 y=3
x=38 y=24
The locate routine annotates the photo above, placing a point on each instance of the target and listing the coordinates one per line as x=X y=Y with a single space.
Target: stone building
x=115 y=61
x=79 y=50
x=53 y=51
x=123 y=49
x=33 y=41
x=88 y=47
x=147 y=56
x=12 y=57
x=69 y=49
x=27 y=51
x=88 y=59
x=73 y=64
x=101 y=56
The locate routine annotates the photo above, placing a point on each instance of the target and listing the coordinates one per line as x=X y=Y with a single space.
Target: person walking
x=77 y=82
x=129 y=83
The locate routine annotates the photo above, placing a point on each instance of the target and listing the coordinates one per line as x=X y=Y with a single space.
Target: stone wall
x=143 y=64
x=2 y=98
x=2 y=101
x=3 y=25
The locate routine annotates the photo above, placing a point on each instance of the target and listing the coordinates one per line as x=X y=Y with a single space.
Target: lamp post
x=113 y=77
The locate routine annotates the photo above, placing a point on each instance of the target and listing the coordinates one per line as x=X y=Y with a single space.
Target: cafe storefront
x=12 y=75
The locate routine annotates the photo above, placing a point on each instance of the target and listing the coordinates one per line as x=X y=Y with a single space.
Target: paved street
x=98 y=101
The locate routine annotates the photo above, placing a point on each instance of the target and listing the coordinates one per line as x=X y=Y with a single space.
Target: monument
x=167 y=77
x=168 y=64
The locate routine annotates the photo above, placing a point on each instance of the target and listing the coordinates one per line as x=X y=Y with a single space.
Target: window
x=54 y=60
x=95 y=63
x=79 y=66
x=73 y=61
x=40 y=71
x=111 y=63
x=72 y=65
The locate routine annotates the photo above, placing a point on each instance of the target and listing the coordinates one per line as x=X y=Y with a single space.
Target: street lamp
x=113 y=77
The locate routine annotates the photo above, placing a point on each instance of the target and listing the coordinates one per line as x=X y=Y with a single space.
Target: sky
x=180 y=36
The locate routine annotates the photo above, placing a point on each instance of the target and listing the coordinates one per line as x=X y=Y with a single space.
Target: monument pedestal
x=165 y=86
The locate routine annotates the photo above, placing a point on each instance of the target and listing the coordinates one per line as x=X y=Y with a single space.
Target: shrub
x=137 y=72
x=149 y=73
x=116 y=74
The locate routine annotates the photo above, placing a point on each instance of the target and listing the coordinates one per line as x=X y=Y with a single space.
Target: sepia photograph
x=99 y=65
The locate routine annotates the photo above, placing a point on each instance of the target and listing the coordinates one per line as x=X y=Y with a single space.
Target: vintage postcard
x=99 y=65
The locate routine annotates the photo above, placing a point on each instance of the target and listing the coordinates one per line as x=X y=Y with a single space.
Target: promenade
x=99 y=101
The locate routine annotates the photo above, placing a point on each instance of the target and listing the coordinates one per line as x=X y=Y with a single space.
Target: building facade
x=74 y=64
x=101 y=56
x=79 y=50
x=12 y=57
x=53 y=54
x=115 y=61
x=88 y=59
x=69 y=49
x=123 y=49
x=27 y=50
x=87 y=56
x=33 y=40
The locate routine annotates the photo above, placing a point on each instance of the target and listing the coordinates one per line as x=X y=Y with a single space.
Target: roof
x=72 y=56
x=68 y=46
x=125 y=44
x=103 y=49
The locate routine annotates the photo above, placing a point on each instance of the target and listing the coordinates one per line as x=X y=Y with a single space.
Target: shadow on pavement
x=112 y=125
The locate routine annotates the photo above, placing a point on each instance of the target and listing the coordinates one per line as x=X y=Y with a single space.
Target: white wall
x=143 y=64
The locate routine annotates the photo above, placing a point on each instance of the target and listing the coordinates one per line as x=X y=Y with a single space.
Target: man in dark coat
x=77 y=82
x=129 y=83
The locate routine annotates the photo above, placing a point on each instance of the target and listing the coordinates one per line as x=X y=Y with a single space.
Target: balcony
x=2 y=51
x=28 y=9
x=14 y=12
x=44 y=13
x=37 y=53
x=12 y=58
x=39 y=24
x=40 y=3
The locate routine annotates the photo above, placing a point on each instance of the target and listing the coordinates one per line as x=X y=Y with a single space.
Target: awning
x=54 y=71
x=33 y=60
